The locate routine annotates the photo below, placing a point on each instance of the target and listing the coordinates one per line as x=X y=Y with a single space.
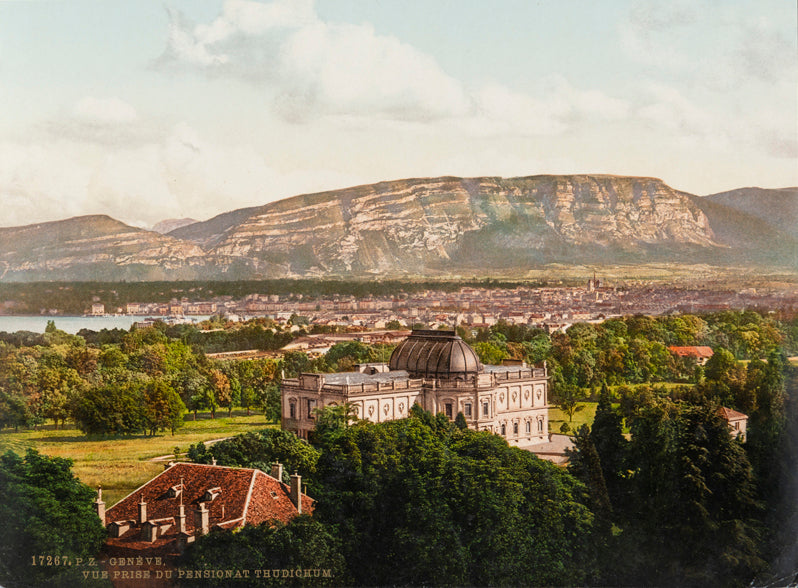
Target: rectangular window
x=485 y=410
x=467 y=409
x=311 y=407
x=292 y=410
x=448 y=408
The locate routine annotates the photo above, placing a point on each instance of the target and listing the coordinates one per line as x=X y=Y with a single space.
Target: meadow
x=583 y=416
x=120 y=464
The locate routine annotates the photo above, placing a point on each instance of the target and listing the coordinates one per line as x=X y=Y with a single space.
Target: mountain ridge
x=422 y=226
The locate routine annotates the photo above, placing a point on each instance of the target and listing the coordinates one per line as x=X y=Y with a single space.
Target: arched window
x=540 y=425
x=504 y=430
x=292 y=410
x=528 y=427
x=515 y=428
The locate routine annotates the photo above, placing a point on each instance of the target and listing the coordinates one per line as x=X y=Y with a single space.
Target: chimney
x=181 y=519
x=296 y=491
x=142 y=511
x=277 y=471
x=99 y=505
x=201 y=519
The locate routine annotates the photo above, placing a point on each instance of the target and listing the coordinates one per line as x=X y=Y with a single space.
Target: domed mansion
x=440 y=372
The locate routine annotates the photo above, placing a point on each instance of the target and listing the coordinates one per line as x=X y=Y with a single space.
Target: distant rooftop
x=361 y=378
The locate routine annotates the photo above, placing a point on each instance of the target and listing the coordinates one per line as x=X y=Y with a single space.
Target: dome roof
x=439 y=354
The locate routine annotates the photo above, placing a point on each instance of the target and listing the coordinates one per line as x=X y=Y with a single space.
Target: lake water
x=71 y=324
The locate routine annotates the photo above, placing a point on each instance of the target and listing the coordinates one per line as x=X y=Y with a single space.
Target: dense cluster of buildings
x=551 y=308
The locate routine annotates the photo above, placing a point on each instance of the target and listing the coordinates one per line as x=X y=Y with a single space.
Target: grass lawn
x=121 y=464
x=583 y=416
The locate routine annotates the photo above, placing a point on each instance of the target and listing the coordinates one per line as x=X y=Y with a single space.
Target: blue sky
x=147 y=110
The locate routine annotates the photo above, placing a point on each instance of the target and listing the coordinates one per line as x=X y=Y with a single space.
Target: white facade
x=511 y=401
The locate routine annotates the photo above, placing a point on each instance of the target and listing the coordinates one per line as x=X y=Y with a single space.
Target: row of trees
x=145 y=380
x=143 y=383
x=634 y=349
x=58 y=376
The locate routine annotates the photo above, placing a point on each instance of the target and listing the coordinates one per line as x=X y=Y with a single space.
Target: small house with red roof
x=738 y=422
x=700 y=353
x=188 y=500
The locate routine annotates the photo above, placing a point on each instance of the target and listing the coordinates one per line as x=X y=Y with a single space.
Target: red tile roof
x=731 y=415
x=699 y=351
x=247 y=496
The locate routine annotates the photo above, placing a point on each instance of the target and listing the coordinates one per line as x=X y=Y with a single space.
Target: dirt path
x=171 y=456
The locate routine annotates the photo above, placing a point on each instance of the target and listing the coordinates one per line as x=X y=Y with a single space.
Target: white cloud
x=104 y=110
x=311 y=69
x=348 y=69
x=177 y=175
x=103 y=121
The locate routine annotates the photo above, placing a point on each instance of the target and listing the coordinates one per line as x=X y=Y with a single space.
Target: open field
x=583 y=416
x=121 y=464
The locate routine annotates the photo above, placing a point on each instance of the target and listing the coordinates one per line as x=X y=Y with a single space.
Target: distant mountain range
x=425 y=227
x=171 y=224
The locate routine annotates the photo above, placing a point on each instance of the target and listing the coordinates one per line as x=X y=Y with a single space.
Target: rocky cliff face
x=434 y=226
x=414 y=225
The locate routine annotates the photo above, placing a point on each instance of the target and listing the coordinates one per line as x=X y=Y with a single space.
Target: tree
x=260 y=450
x=719 y=365
x=567 y=398
x=192 y=387
x=163 y=407
x=342 y=356
x=332 y=419
x=688 y=517
x=585 y=463
x=491 y=352
x=14 y=411
x=303 y=543
x=417 y=501
x=220 y=390
x=45 y=510
x=294 y=363
x=606 y=435
x=111 y=409
x=58 y=386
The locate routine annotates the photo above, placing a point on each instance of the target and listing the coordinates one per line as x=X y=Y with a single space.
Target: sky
x=150 y=110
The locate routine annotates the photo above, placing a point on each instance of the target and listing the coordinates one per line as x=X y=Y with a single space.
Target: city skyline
x=147 y=111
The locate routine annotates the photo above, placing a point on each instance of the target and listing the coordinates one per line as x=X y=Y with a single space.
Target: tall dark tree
x=606 y=435
x=45 y=511
x=303 y=544
x=689 y=518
